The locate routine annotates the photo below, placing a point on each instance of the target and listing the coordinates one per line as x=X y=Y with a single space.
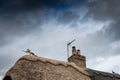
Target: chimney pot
x=74 y=50
x=78 y=51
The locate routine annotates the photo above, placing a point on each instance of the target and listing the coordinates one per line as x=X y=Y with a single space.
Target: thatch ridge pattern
x=53 y=62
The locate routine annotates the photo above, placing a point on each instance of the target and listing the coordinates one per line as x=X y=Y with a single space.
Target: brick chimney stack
x=77 y=58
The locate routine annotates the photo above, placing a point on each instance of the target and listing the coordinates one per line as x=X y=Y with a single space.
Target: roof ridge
x=104 y=73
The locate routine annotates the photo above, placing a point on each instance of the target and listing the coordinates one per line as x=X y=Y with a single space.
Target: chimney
x=74 y=50
x=78 y=52
x=77 y=58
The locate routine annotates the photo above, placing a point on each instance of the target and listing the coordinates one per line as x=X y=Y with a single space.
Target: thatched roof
x=99 y=75
x=38 y=68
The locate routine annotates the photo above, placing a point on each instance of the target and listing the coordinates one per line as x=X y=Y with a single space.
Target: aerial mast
x=68 y=44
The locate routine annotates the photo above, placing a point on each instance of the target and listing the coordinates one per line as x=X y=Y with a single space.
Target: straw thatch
x=38 y=68
x=31 y=67
x=99 y=75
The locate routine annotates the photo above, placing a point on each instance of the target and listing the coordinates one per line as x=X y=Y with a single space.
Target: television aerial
x=68 y=44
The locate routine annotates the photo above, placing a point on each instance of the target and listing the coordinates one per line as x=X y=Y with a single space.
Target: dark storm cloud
x=26 y=5
x=20 y=17
x=113 y=30
x=106 y=10
x=19 y=25
x=68 y=17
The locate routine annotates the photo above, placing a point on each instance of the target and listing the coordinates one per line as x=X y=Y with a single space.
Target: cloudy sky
x=46 y=26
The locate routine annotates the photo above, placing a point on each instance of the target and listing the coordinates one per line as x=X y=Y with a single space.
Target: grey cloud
x=21 y=17
x=68 y=17
x=106 y=10
x=97 y=44
x=4 y=60
x=15 y=26
x=113 y=30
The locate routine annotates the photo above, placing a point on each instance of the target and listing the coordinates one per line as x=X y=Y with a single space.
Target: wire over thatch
x=38 y=68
